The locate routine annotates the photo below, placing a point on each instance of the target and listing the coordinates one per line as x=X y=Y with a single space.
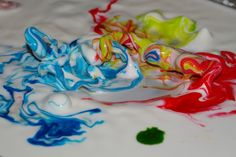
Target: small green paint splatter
x=151 y=136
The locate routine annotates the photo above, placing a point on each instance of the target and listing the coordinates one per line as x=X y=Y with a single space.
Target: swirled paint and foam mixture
x=150 y=27
x=120 y=55
x=207 y=79
x=61 y=67
x=23 y=103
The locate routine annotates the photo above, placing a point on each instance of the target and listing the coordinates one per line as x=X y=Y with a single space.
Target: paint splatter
x=151 y=136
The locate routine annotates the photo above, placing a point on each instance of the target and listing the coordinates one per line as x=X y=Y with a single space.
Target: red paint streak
x=195 y=121
x=99 y=16
x=223 y=114
x=98 y=101
x=146 y=101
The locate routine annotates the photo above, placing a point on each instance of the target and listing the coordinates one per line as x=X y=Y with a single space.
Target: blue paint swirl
x=44 y=62
x=152 y=56
x=66 y=68
x=54 y=130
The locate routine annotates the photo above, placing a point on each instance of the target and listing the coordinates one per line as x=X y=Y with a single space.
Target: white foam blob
x=57 y=103
x=202 y=42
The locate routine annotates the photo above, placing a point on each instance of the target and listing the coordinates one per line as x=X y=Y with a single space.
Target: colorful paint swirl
x=150 y=27
x=61 y=67
x=207 y=79
x=78 y=64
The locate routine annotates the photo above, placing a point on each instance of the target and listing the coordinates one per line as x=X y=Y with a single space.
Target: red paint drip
x=195 y=121
x=146 y=101
x=99 y=16
x=98 y=101
x=223 y=114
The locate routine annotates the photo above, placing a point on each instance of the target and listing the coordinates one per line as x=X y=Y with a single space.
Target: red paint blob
x=210 y=90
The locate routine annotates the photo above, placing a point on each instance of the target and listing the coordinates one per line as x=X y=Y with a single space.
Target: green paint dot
x=151 y=136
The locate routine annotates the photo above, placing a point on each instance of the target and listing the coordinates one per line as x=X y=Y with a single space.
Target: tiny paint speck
x=151 y=136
